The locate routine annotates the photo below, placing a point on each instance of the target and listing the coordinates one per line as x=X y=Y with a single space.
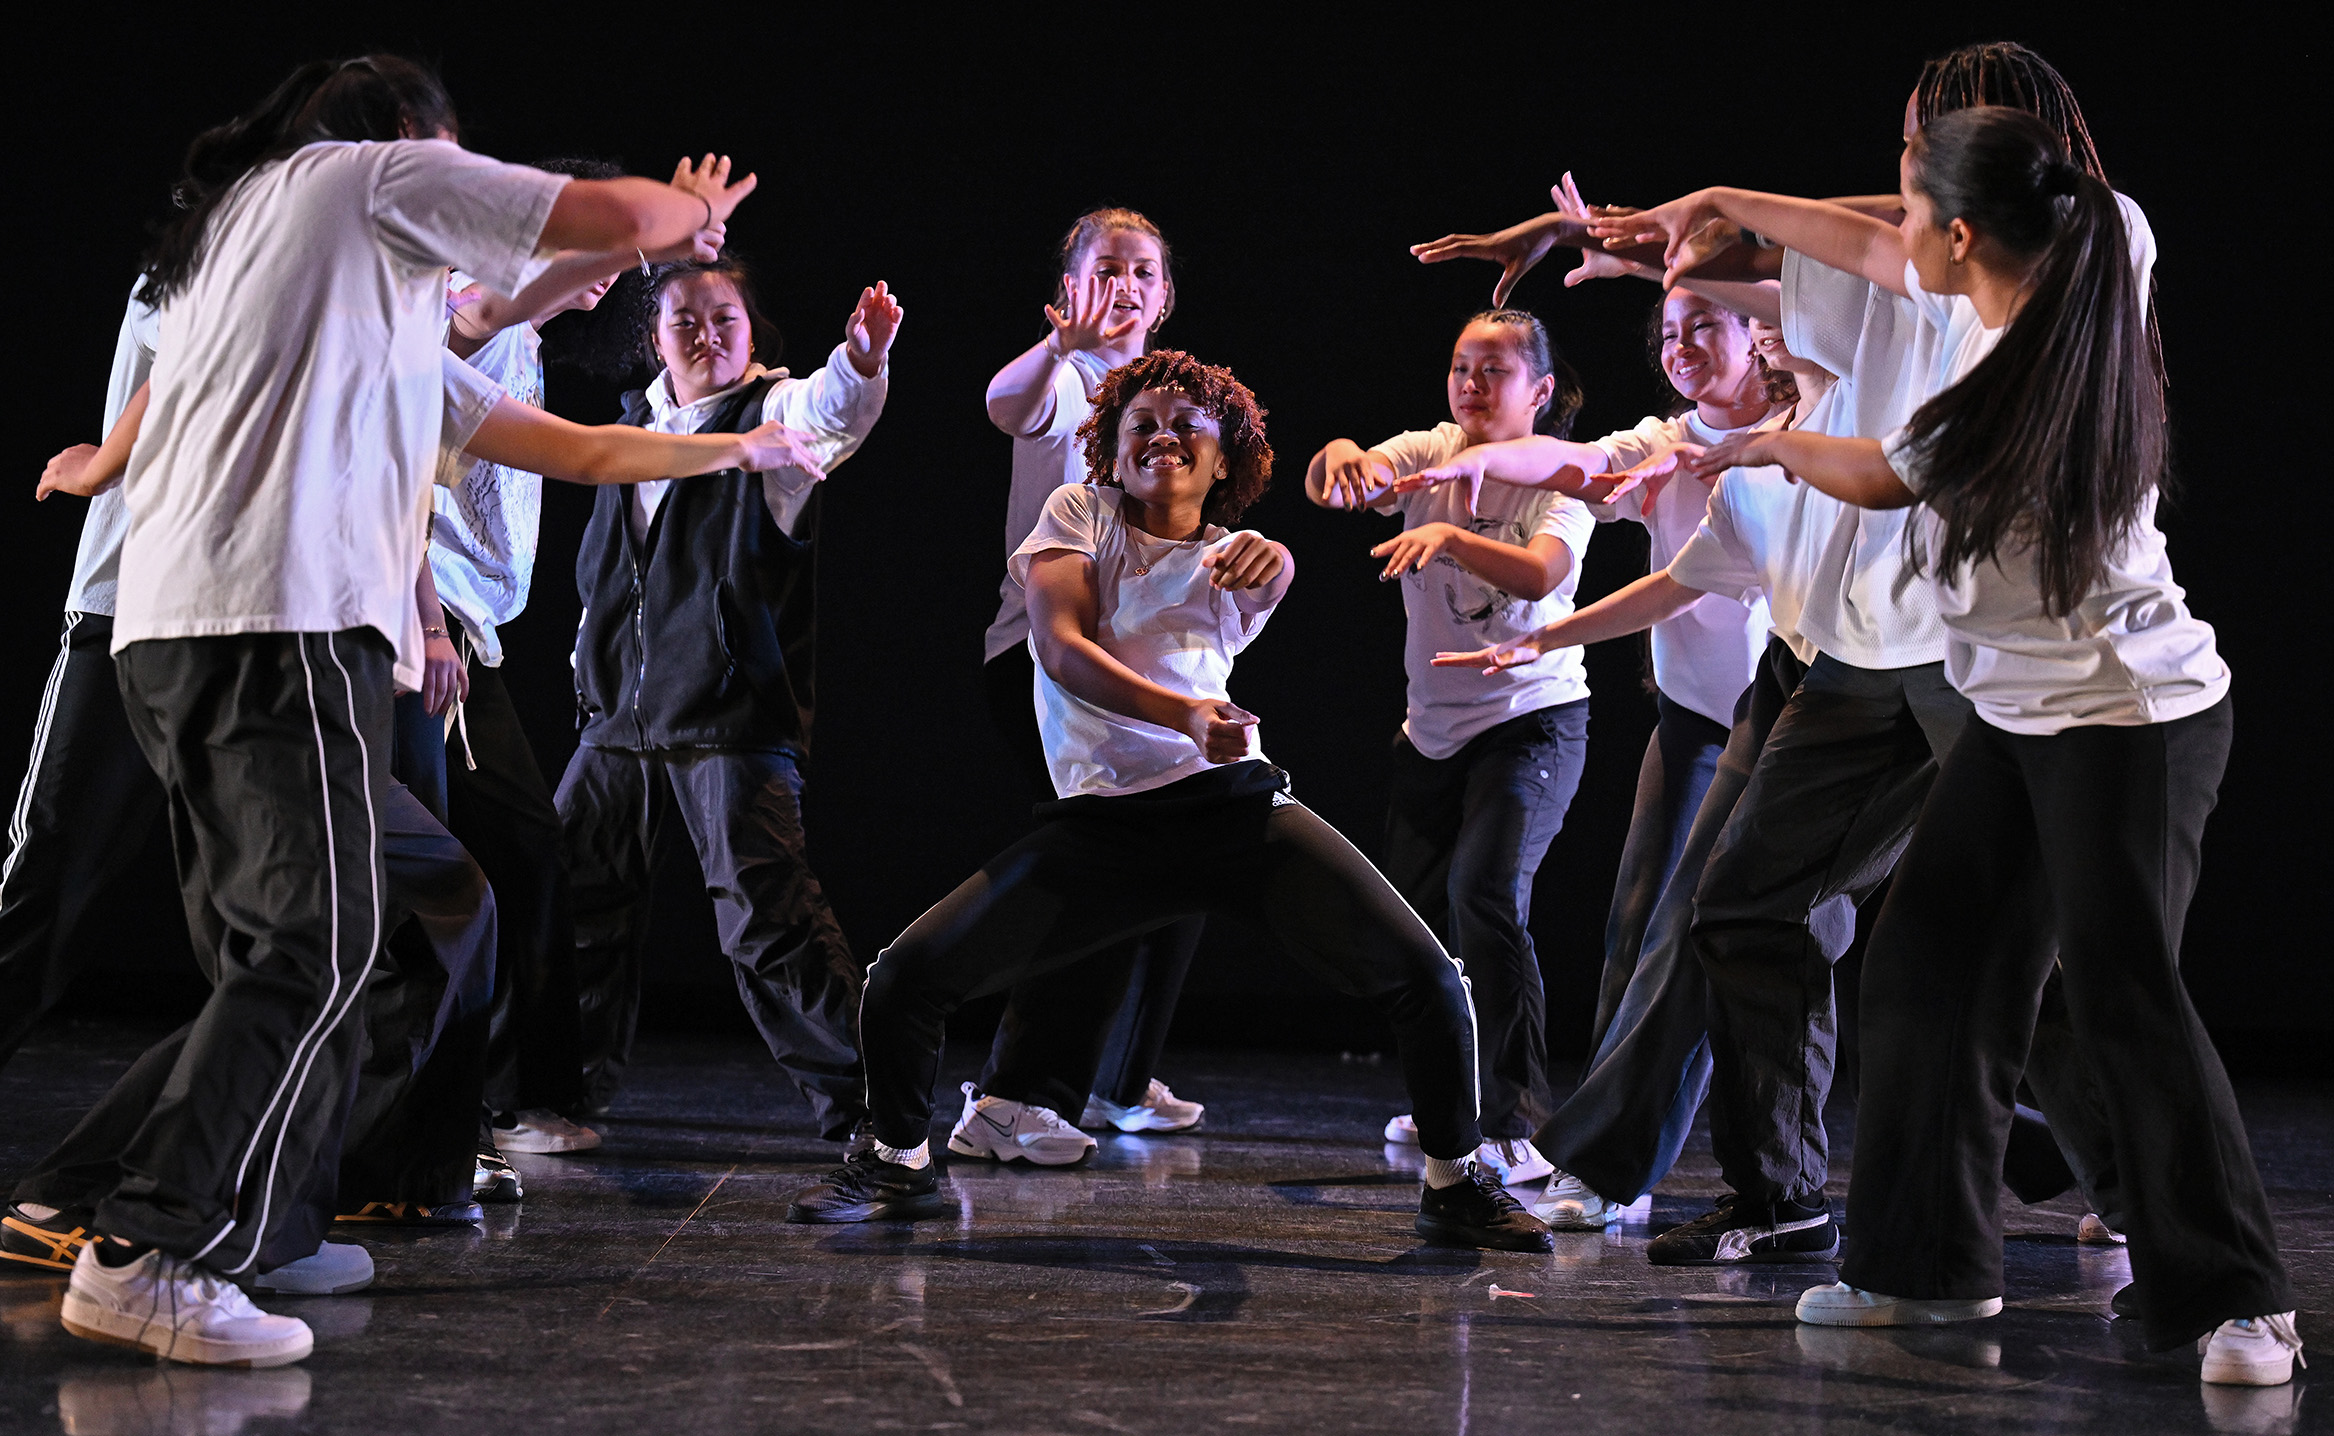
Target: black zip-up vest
x=702 y=635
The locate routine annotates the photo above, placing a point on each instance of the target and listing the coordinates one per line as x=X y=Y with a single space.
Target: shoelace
x=1490 y=1186
x=2281 y=1329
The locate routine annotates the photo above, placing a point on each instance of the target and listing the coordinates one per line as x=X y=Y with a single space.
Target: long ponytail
x=373 y=97
x=2053 y=442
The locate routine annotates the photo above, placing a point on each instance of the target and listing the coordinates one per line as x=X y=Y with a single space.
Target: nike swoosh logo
x=1736 y=1244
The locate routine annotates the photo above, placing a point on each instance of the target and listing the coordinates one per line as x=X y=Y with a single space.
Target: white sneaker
x=1403 y=1131
x=538 y=1130
x=336 y=1268
x=1514 y=1163
x=2252 y=1351
x=178 y=1311
x=1568 y=1205
x=1016 y=1132
x=2092 y=1232
x=1840 y=1304
x=1160 y=1111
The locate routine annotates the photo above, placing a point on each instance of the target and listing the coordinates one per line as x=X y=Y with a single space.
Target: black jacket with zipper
x=701 y=635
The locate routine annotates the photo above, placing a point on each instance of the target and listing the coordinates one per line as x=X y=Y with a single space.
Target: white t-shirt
x=1157 y=614
x=1451 y=610
x=2130 y=653
x=298 y=391
x=97 y=563
x=1704 y=656
x=485 y=524
x=835 y=406
x=1042 y=462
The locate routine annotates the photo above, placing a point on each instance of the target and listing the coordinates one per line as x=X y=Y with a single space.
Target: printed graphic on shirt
x=1468 y=599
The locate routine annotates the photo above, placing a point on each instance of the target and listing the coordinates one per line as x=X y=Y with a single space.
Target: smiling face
x=1705 y=350
x=1132 y=263
x=1170 y=450
x=1493 y=393
x=1767 y=344
x=703 y=334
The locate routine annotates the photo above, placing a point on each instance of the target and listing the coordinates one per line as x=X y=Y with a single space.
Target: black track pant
x=1101 y=870
x=1829 y=806
x=273 y=750
x=411 y=1117
x=88 y=802
x=2088 y=838
x=493 y=798
x=1622 y=1128
x=1099 y=1027
x=1464 y=838
x=743 y=813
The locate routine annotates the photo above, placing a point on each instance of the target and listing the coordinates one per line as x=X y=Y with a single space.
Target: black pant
x=88 y=802
x=1098 y=1027
x=1827 y=810
x=1681 y=759
x=489 y=792
x=273 y=751
x=1464 y=837
x=411 y=1114
x=1622 y=1128
x=2088 y=839
x=743 y=813
x=1101 y=870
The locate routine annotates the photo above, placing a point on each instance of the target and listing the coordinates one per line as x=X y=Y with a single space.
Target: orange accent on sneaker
x=62 y=1247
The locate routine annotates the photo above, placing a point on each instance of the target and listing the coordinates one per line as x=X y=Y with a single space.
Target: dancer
x=1059 y=1041
x=694 y=678
x=286 y=627
x=1483 y=772
x=1139 y=601
x=492 y=795
x=2080 y=799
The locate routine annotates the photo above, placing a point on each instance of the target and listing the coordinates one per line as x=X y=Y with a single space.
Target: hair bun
x=2060 y=177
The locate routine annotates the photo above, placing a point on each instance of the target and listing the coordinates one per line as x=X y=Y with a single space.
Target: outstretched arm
x=521 y=436
x=1021 y=397
x=1533 y=462
x=1832 y=234
x=1530 y=571
x=631 y=213
x=1064 y=605
x=1639 y=606
x=1854 y=471
x=87 y=470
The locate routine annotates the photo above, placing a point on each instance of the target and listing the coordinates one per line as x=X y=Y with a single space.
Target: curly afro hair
x=1228 y=400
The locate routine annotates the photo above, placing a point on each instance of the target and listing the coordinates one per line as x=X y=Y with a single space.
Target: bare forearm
x=1854 y=471
x=623 y=214
x=1624 y=611
x=1507 y=567
x=1762 y=301
x=520 y=436
x=488 y=314
x=1021 y=396
x=1541 y=462
x=1087 y=670
x=1828 y=233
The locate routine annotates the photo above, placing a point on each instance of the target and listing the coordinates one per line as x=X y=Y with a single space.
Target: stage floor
x=1261 y=1276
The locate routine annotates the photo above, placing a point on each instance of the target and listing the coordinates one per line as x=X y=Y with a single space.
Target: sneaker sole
x=501 y=1191
x=913 y=1210
x=91 y=1322
x=1577 y=1222
x=353 y=1220
x=2247 y=1373
x=1458 y=1234
x=541 y=1147
x=1154 y=1124
x=964 y=1149
x=1903 y=1313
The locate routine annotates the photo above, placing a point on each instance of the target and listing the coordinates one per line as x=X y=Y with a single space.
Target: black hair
x=373 y=97
x=2004 y=72
x=605 y=340
x=2054 y=441
x=1678 y=403
x=1088 y=231
x=768 y=344
x=1538 y=352
x=1247 y=454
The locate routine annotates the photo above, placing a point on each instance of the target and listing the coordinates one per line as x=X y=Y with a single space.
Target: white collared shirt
x=835 y=406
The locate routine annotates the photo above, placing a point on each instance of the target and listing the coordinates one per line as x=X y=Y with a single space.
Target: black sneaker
x=1739 y=1232
x=1478 y=1212
x=415 y=1214
x=52 y=1243
x=496 y=1180
x=2125 y=1302
x=866 y=1188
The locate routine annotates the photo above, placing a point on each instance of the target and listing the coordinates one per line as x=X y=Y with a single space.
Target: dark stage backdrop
x=1290 y=164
